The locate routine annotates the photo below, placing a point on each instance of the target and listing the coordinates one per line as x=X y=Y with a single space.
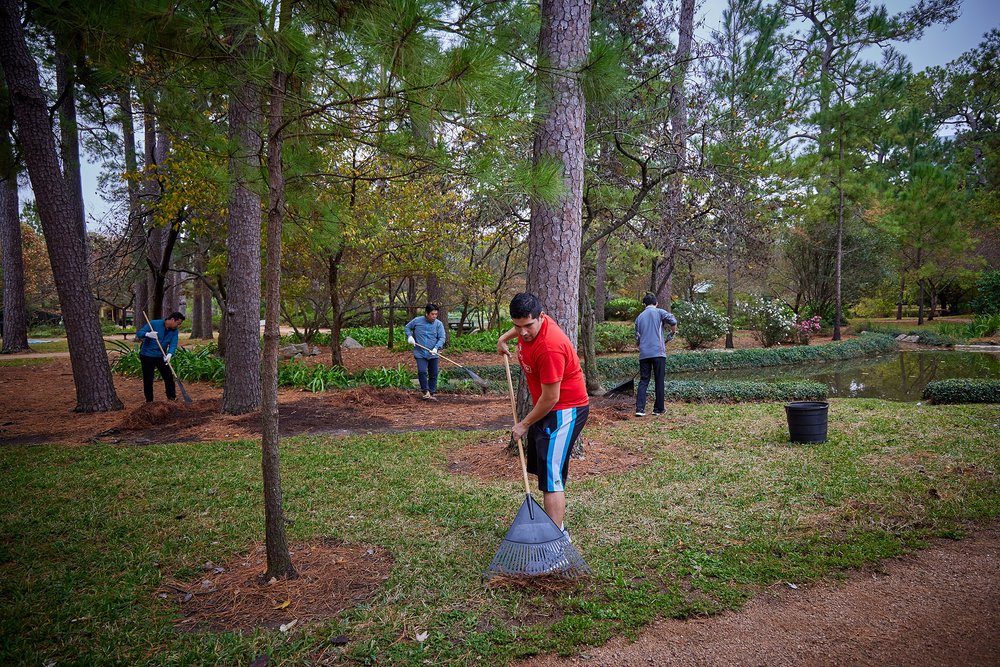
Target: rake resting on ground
x=534 y=545
x=184 y=394
x=472 y=376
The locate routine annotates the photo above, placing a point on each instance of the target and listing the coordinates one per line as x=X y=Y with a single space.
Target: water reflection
x=900 y=376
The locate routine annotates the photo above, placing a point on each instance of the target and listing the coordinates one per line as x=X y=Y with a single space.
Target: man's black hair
x=176 y=315
x=430 y=308
x=525 y=304
x=649 y=299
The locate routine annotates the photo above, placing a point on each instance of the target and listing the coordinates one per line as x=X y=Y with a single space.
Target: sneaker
x=640 y=413
x=431 y=397
x=426 y=396
x=659 y=414
x=565 y=532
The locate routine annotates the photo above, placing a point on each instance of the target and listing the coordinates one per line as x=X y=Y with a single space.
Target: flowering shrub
x=698 y=323
x=807 y=328
x=770 y=321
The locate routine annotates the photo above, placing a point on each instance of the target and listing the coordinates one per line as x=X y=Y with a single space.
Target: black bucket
x=807 y=421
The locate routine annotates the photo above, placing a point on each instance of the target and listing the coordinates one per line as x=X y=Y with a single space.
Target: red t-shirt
x=551 y=358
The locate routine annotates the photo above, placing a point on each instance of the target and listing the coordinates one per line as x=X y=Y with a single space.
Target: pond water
x=900 y=376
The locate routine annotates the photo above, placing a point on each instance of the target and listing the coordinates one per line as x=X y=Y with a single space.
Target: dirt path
x=939 y=606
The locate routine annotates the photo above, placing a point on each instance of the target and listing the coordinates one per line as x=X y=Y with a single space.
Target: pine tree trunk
x=600 y=281
x=64 y=238
x=902 y=290
x=15 y=311
x=333 y=280
x=149 y=194
x=241 y=390
x=671 y=225
x=69 y=133
x=555 y=234
x=197 y=297
x=588 y=349
x=435 y=294
x=730 y=301
x=279 y=561
x=137 y=239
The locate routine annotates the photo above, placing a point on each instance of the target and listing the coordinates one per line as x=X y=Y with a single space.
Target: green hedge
x=962 y=390
x=924 y=336
x=481 y=341
x=622 y=367
x=694 y=391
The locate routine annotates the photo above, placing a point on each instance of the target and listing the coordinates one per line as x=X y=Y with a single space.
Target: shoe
x=426 y=396
x=565 y=532
x=640 y=413
x=431 y=397
x=659 y=414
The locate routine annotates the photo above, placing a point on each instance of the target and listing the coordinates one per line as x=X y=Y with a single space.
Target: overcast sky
x=938 y=46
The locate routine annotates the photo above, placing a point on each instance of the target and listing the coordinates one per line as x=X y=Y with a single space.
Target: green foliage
x=204 y=365
x=315 y=378
x=924 y=336
x=874 y=307
x=699 y=323
x=397 y=377
x=981 y=326
x=694 y=391
x=480 y=341
x=961 y=390
x=622 y=309
x=610 y=337
x=620 y=367
x=987 y=300
x=770 y=321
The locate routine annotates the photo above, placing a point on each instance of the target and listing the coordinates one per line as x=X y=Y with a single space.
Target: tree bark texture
x=601 y=281
x=241 y=390
x=95 y=390
x=337 y=317
x=150 y=191
x=435 y=294
x=69 y=132
x=137 y=239
x=555 y=233
x=588 y=329
x=15 y=311
x=279 y=561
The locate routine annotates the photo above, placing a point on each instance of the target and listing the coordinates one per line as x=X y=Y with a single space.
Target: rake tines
x=534 y=546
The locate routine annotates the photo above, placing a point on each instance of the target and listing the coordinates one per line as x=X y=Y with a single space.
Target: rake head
x=476 y=378
x=535 y=546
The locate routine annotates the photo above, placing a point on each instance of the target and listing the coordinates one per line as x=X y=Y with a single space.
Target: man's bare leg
x=555 y=506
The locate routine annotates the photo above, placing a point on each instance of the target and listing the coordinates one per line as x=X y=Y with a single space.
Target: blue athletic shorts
x=550 y=442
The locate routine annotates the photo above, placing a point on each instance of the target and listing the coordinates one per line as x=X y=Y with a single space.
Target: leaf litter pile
x=332 y=577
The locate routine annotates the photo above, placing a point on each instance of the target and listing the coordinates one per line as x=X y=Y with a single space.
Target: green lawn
x=23 y=361
x=726 y=506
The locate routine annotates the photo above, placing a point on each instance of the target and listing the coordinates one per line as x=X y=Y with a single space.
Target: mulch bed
x=332 y=577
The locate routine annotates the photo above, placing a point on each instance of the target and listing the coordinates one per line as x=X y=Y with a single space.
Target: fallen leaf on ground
x=283 y=604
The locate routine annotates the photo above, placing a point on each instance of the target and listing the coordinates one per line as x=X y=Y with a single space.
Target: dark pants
x=150 y=364
x=647 y=367
x=427 y=373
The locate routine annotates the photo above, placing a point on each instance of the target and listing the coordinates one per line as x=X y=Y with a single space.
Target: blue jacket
x=168 y=339
x=428 y=334
x=649 y=331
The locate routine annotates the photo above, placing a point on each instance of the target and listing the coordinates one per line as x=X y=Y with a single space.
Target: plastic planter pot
x=807 y=421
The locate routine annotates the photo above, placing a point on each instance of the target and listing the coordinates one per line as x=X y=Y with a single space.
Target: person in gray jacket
x=652 y=352
x=426 y=335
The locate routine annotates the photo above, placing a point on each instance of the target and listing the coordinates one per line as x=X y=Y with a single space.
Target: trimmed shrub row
x=962 y=390
x=623 y=367
x=694 y=391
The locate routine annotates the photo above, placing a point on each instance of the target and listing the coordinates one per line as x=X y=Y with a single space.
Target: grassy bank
x=725 y=506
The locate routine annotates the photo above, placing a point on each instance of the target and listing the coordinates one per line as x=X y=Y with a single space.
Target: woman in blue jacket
x=426 y=335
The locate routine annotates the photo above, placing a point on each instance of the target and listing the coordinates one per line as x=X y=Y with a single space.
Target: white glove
x=411 y=340
x=151 y=334
x=167 y=357
x=434 y=351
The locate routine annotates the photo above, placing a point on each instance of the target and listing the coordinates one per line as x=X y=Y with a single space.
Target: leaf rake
x=534 y=545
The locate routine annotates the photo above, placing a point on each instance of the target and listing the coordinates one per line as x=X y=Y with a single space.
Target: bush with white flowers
x=699 y=324
x=770 y=322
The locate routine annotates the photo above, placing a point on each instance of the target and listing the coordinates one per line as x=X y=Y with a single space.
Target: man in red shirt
x=559 y=393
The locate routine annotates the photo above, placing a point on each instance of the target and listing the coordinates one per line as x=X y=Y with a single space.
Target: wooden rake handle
x=513 y=410
x=441 y=355
x=158 y=344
